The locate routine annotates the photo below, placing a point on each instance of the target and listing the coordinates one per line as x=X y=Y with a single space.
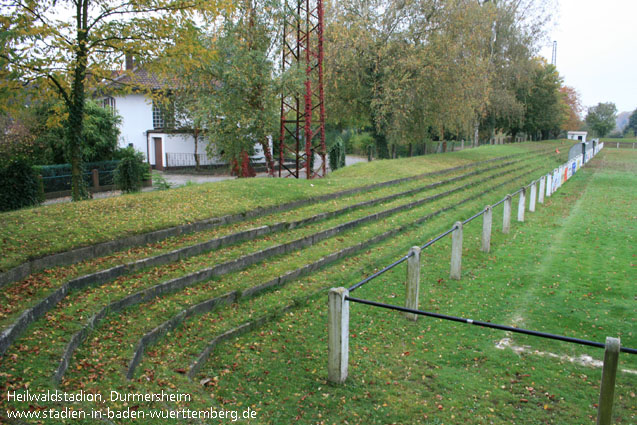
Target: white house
x=144 y=127
x=577 y=135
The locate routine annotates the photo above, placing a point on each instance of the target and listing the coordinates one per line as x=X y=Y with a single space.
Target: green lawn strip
x=73 y=311
x=166 y=307
x=26 y=293
x=34 y=232
x=588 y=265
x=429 y=371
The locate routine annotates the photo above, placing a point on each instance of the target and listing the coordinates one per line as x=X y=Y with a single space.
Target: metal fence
x=189 y=160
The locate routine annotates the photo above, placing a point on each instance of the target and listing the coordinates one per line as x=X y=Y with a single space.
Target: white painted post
x=487 y=219
x=522 y=204
x=456 y=252
x=609 y=372
x=540 y=198
x=413 y=282
x=338 y=335
x=533 y=196
x=549 y=185
x=506 y=215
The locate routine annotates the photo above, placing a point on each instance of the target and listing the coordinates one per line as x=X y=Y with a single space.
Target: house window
x=163 y=114
x=108 y=103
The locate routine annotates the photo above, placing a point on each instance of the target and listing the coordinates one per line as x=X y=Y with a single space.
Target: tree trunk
x=268 y=157
x=75 y=106
x=411 y=150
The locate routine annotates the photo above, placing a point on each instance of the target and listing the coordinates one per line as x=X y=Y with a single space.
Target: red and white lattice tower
x=303 y=112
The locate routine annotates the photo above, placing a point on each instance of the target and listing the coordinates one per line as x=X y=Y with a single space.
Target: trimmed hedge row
x=20 y=184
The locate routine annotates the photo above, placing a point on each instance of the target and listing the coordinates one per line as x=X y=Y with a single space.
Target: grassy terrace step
x=24 y=240
x=163 y=307
x=193 y=292
x=122 y=263
x=30 y=315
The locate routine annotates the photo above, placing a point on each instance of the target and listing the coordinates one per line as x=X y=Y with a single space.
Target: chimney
x=130 y=63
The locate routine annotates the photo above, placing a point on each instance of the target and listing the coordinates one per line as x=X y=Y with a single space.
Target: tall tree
x=573 y=104
x=632 y=123
x=601 y=118
x=42 y=45
x=240 y=110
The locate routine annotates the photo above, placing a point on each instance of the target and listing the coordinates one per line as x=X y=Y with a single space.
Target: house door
x=159 y=154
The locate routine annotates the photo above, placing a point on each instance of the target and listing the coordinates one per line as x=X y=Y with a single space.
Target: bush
x=337 y=154
x=131 y=171
x=20 y=184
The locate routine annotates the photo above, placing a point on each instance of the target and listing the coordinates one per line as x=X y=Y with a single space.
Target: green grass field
x=568 y=269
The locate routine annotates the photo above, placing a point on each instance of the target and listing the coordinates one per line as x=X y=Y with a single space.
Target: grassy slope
x=566 y=270
x=34 y=232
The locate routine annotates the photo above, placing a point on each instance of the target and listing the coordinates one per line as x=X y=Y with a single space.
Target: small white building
x=577 y=135
x=144 y=126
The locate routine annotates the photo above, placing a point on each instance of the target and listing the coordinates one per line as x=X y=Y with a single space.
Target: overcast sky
x=597 y=50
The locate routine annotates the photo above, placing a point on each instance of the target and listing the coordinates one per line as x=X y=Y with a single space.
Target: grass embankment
x=100 y=365
x=71 y=313
x=35 y=232
x=17 y=296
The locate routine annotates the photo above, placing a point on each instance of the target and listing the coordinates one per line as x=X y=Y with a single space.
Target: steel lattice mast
x=303 y=112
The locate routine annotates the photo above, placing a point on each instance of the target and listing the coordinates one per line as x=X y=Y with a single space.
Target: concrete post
x=487 y=219
x=617 y=145
x=462 y=145
x=607 y=391
x=533 y=196
x=549 y=184
x=456 y=252
x=96 y=177
x=338 y=335
x=413 y=282
x=540 y=198
x=506 y=215
x=522 y=204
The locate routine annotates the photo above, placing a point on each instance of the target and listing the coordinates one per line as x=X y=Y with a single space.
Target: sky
x=597 y=50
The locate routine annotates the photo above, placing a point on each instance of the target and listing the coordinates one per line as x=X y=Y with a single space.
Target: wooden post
x=96 y=177
x=522 y=204
x=540 y=197
x=413 y=282
x=506 y=215
x=487 y=219
x=533 y=196
x=609 y=372
x=338 y=335
x=456 y=252
x=549 y=184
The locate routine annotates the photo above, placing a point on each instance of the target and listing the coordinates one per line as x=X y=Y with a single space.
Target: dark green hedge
x=20 y=185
